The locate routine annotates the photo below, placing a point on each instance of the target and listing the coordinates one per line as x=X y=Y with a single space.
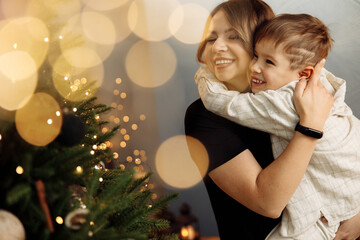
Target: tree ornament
x=76 y=218
x=72 y=131
x=10 y=226
x=100 y=166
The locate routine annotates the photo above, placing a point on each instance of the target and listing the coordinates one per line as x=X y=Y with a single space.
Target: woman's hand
x=312 y=101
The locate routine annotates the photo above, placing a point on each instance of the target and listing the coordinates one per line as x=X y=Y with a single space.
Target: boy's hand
x=349 y=229
x=312 y=101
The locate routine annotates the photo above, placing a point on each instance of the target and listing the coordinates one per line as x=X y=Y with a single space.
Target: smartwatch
x=308 y=131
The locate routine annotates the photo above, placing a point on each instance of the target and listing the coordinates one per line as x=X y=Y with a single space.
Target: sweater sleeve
x=270 y=111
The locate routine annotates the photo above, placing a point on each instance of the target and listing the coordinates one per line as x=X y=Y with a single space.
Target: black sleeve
x=221 y=137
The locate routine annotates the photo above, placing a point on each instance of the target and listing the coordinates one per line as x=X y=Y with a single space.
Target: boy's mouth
x=256 y=81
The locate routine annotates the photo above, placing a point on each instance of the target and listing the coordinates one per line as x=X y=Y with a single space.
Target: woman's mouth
x=223 y=62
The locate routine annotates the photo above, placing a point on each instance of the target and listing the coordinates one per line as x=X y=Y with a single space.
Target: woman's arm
x=267 y=191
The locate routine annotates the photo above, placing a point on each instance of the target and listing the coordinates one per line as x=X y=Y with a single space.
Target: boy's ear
x=306 y=72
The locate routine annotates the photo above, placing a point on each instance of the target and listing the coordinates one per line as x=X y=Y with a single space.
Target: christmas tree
x=56 y=176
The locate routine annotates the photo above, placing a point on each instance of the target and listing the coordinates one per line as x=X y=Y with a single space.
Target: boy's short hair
x=304 y=38
x=244 y=16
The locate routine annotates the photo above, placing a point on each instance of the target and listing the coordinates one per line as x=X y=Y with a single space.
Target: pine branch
x=18 y=193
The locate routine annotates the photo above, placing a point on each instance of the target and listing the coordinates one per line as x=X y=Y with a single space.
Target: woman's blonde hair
x=244 y=16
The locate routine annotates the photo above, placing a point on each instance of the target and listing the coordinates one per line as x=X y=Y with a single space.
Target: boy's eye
x=234 y=37
x=269 y=62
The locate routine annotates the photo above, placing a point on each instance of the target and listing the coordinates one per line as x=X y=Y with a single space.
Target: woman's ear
x=305 y=73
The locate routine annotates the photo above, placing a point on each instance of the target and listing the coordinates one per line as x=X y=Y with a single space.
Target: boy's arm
x=268 y=111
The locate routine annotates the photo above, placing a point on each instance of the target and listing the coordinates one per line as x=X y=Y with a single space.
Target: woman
x=241 y=167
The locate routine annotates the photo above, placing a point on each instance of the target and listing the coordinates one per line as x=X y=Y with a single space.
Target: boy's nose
x=254 y=66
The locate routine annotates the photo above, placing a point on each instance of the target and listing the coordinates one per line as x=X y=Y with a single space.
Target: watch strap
x=310 y=132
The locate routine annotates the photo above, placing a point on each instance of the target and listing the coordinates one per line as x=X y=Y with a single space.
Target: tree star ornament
x=10 y=226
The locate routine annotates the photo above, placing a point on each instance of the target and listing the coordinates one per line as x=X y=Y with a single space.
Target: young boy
x=286 y=50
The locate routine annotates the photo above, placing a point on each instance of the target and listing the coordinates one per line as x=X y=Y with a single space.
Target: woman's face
x=225 y=56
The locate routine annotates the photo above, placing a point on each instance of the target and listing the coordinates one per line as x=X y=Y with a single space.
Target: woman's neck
x=240 y=85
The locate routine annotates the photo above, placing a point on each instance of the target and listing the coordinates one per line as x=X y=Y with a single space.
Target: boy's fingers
x=315 y=77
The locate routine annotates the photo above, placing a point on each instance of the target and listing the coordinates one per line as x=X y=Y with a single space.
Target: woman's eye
x=269 y=62
x=211 y=40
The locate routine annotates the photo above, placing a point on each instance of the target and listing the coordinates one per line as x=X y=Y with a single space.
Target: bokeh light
x=82 y=57
x=18 y=74
x=149 y=19
x=119 y=18
x=175 y=162
x=69 y=80
x=98 y=28
x=187 y=22
x=27 y=34
x=79 y=34
x=156 y=60
x=54 y=11
x=31 y=120
x=104 y=5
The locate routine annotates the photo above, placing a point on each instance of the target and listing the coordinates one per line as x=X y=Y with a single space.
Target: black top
x=224 y=140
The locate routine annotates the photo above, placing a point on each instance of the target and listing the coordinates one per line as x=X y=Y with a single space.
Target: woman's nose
x=219 y=45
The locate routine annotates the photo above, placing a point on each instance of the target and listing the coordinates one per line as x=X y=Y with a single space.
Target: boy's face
x=270 y=67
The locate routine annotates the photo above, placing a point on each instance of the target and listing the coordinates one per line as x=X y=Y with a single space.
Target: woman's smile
x=223 y=62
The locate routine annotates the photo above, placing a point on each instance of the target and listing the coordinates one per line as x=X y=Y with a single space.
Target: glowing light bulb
x=142 y=117
x=134 y=127
x=123 y=95
x=49 y=121
x=118 y=80
x=126 y=118
x=79 y=170
x=116 y=92
x=59 y=220
x=137 y=161
x=19 y=170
